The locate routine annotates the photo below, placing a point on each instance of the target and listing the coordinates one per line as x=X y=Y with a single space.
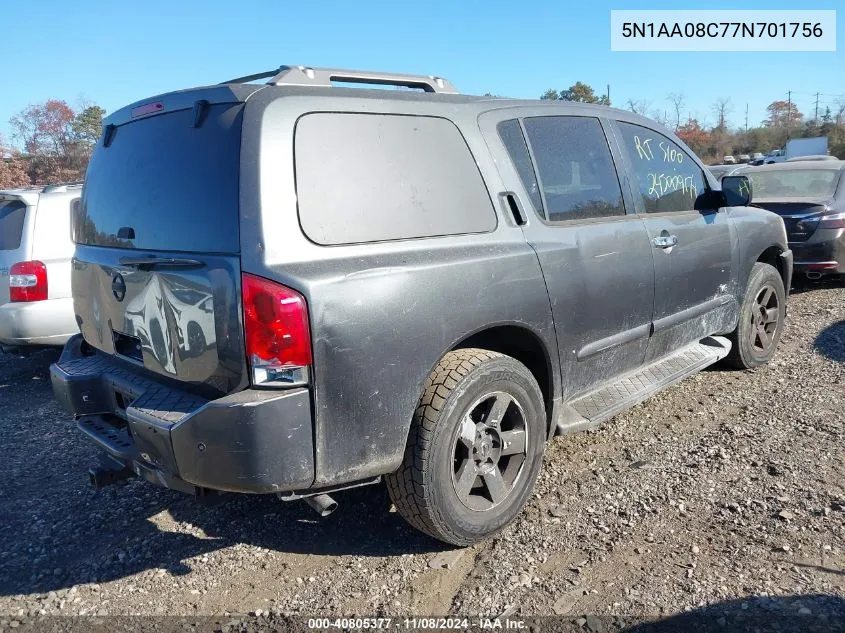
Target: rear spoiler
x=238 y=90
x=29 y=197
x=181 y=100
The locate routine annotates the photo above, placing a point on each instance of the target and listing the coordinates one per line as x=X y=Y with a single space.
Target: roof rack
x=60 y=187
x=308 y=76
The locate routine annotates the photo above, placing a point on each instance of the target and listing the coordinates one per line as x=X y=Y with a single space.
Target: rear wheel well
x=524 y=346
x=772 y=256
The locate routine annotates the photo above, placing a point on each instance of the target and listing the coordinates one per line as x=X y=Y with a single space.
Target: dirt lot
x=731 y=486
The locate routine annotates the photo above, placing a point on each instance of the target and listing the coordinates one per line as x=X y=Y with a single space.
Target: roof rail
x=60 y=188
x=308 y=76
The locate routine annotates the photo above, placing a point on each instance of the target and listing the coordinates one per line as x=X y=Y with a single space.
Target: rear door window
x=12 y=216
x=514 y=141
x=375 y=177
x=577 y=175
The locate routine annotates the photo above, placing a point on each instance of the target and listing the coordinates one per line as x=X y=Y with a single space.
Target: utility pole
x=746 y=118
x=817 y=108
x=608 y=94
x=788 y=109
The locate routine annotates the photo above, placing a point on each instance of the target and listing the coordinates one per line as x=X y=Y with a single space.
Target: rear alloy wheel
x=761 y=319
x=474 y=450
x=489 y=451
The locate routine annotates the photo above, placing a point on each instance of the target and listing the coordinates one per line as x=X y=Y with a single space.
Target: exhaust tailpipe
x=814 y=275
x=323 y=504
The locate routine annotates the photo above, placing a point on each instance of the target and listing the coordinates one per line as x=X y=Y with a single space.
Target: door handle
x=665 y=241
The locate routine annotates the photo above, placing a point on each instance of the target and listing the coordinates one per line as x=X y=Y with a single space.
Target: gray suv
x=297 y=287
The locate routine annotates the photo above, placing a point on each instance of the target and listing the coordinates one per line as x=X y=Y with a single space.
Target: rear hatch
x=156 y=275
x=17 y=213
x=801 y=217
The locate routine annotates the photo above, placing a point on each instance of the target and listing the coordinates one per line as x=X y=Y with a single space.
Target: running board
x=591 y=409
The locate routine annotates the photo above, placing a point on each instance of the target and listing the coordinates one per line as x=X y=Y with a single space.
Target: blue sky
x=114 y=53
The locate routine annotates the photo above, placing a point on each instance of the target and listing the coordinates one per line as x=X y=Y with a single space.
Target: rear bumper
x=49 y=322
x=251 y=441
x=824 y=252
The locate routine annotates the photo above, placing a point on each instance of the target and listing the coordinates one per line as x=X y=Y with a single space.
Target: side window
x=12 y=218
x=514 y=141
x=667 y=177
x=577 y=175
x=374 y=177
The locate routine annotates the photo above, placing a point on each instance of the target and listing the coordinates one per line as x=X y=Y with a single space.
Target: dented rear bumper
x=252 y=441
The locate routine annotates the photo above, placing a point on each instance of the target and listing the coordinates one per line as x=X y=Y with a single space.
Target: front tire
x=474 y=450
x=761 y=319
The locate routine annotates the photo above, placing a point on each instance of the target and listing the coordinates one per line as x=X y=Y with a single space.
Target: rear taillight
x=832 y=221
x=28 y=281
x=278 y=341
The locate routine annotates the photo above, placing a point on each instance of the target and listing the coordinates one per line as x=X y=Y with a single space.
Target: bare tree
x=722 y=108
x=678 y=101
x=840 y=113
x=659 y=116
x=638 y=107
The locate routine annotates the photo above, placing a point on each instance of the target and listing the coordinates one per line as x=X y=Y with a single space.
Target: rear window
x=12 y=216
x=794 y=183
x=163 y=184
x=375 y=177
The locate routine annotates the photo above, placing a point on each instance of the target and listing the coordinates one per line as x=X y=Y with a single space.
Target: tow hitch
x=106 y=475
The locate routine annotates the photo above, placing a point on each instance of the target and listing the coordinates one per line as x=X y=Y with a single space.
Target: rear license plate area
x=128 y=346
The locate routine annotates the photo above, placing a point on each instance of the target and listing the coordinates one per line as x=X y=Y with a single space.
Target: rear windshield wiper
x=151 y=261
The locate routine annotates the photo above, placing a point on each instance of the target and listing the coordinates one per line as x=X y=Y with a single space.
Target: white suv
x=36 y=307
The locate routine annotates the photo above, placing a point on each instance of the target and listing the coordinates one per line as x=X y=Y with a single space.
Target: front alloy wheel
x=765 y=319
x=761 y=319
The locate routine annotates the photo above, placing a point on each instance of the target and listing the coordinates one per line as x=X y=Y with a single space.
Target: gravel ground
x=728 y=489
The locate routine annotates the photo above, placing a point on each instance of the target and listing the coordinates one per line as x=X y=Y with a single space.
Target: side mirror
x=737 y=191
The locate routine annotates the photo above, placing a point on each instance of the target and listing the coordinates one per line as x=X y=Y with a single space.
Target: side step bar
x=589 y=410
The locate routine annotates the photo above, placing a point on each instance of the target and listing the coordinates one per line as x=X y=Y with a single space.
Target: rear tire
x=761 y=319
x=474 y=450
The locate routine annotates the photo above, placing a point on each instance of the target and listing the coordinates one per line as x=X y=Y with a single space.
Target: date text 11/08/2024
x=419 y=624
